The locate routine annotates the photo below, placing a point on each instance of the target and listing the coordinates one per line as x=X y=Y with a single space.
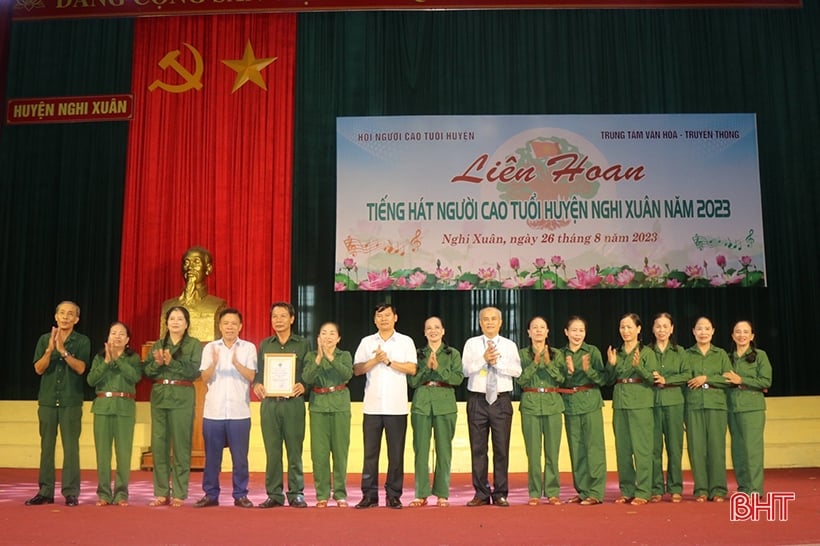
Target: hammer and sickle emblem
x=192 y=81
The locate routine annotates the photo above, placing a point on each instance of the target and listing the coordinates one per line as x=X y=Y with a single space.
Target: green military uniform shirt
x=436 y=400
x=541 y=375
x=60 y=386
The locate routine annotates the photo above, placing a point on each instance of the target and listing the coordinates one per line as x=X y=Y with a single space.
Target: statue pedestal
x=198 y=441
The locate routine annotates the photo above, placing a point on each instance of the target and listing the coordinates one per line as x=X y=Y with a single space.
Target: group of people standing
x=660 y=390
x=657 y=389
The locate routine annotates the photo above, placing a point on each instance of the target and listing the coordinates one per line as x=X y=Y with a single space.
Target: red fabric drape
x=209 y=167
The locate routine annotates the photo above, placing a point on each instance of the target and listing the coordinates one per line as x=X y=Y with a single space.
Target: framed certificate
x=280 y=374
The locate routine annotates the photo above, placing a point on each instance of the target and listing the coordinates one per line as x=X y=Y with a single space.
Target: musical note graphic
x=356 y=246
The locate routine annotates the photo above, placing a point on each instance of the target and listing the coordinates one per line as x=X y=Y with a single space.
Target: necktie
x=492 y=381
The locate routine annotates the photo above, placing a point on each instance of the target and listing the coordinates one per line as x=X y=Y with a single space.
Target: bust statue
x=197 y=264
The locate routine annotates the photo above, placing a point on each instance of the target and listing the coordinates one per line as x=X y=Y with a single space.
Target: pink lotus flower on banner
x=551 y=274
x=416 y=279
x=694 y=272
x=486 y=274
x=445 y=274
x=585 y=279
x=652 y=271
x=376 y=281
x=625 y=277
x=726 y=279
x=518 y=282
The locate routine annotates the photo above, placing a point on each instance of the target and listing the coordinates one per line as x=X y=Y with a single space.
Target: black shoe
x=368 y=503
x=501 y=501
x=270 y=502
x=244 y=502
x=478 y=501
x=298 y=502
x=393 y=502
x=39 y=499
x=71 y=500
x=206 y=501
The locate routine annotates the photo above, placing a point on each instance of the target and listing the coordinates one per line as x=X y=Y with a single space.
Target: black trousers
x=395 y=430
x=481 y=419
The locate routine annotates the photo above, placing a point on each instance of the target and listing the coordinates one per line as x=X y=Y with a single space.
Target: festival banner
x=548 y=202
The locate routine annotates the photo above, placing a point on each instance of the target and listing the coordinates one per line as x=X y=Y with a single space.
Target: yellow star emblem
x=248 y=68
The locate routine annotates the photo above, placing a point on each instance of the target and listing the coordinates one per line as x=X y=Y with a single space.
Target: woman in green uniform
x=583 y=415
x=672 y=373
x=114 y=374
x=433 y=412
x=751 y=376
x=633 y=418
x=706 y=413
x=329 y=369
x=173 y=365
x=541 y=407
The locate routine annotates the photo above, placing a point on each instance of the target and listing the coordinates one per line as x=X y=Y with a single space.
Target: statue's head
x=198 y=263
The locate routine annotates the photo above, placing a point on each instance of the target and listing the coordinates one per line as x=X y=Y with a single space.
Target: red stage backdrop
x=209 y=163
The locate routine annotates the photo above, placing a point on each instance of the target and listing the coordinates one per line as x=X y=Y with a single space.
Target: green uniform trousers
x=329 y=436
x=634 y=430
x=69 y=421
x=442 y=428
x=706 y=442
x=119 y=430
x=746 y=428
x=542 y=434
x=283 y=420
x=668 y=430
x=585 y=436
x=172 y=430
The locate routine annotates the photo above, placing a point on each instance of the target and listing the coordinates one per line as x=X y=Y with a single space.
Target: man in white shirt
x=387 y=357
x=228 y=367
x=490 y=363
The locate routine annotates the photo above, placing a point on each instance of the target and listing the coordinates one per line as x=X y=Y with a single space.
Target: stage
x=686 y=523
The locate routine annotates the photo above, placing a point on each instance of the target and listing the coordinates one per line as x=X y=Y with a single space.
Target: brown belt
x=325 y=390
x=630 y=380
x=745 y=388
x=109 y=394
x=573 y=390
x=544 y=389
x=282 y=398
x=435 y=384
x=177 y=382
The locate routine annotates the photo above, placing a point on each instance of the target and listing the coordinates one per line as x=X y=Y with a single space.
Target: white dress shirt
x=385 y=392
x=476 y=368
x=228 y=395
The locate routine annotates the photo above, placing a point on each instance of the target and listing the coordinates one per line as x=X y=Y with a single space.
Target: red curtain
x=209 y=166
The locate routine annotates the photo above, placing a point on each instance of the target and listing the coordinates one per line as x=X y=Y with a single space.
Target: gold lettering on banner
x=192 y=81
